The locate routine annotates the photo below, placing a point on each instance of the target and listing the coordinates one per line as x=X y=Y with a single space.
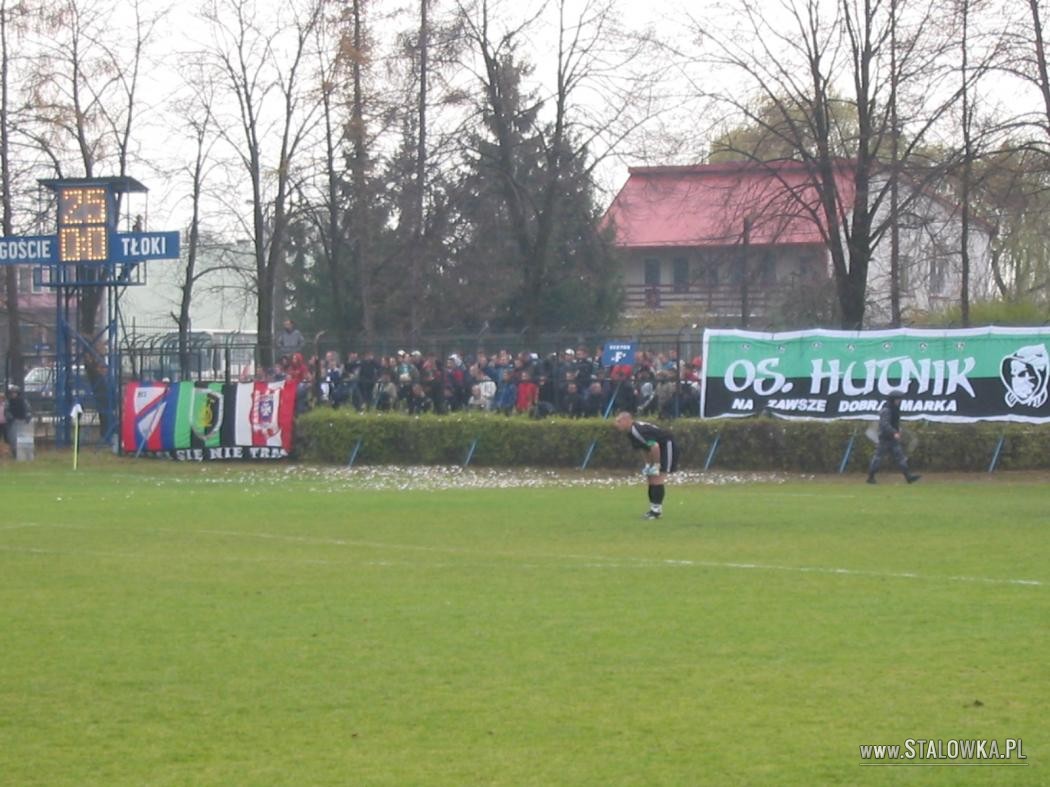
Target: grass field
x=228 y=625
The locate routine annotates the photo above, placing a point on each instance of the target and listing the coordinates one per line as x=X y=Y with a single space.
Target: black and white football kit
x=644 y=436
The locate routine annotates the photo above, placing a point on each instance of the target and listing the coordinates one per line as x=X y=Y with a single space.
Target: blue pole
x=612 y=399
x=590 y=452
x=353 y=454
x=998 y=452
x=470 y=453
x=711 y=453
x=846 y=456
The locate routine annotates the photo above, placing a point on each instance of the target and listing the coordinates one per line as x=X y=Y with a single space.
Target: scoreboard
x=87 y=233
x=83 y=223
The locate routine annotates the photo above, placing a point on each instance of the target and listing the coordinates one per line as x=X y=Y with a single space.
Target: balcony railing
x=717 y=301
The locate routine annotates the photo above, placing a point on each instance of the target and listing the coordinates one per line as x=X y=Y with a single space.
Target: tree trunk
x=967 y=173
x=895 y=228
x=15 y=363
x=418 y=207
x=359 y=173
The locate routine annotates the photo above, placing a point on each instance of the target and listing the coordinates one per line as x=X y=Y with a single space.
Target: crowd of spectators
x=571 y=383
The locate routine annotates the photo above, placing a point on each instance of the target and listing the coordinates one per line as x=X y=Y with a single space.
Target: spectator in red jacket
x=528 y=394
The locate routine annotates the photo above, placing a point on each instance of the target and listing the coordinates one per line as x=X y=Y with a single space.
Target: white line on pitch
x=137 y=556
x=602 y=560
x=854 y=572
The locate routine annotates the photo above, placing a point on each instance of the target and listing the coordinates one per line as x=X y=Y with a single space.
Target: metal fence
x=684 y=343
x=223 y=357
x=232 y=357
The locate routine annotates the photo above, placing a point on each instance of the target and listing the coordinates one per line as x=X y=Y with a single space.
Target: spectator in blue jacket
x=506 y=393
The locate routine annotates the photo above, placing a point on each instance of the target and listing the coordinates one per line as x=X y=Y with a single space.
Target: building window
x=680 y=274
x=735 y=269
x=30 y=280
x=813 y=266
x=763 y=269
x=652 y=273
x=707 y=273
x=39 y=277
x=938 y=275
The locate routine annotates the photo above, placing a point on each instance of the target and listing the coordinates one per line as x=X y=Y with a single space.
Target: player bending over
x=661 y=456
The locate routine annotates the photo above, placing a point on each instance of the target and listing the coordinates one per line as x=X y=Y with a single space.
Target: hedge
x=329 y=436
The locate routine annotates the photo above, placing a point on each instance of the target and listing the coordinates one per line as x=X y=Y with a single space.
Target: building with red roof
x=716 y=239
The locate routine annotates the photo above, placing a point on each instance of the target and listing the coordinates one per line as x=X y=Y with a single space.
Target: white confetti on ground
x=440 y=477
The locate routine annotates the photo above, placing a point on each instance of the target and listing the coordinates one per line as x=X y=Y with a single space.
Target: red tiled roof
x=706 y=205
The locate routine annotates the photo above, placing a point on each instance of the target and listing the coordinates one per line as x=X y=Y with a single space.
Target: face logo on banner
x=1025 y=374
x=207 y=413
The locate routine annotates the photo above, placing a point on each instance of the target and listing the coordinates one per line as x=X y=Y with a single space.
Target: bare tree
x=261 y=63
x=1037 y=69
x=1011 y=191
x=968 y=155
x=10 y=15
x=826 y=82
x=84 y=92
x=895 y=156
x=1008 y=174
x=347 y=204
x=199 y=113
x=979 y=129
x=360 y=227
x=331 y=229
x=418 y=212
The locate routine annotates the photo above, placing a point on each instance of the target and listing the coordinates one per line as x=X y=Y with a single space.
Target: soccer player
x=661 y=456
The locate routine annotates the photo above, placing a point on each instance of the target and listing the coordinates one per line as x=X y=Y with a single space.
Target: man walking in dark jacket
x=890 y=440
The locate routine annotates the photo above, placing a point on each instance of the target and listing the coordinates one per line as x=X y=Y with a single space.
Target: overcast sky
x=181 y=30
x=159 y=129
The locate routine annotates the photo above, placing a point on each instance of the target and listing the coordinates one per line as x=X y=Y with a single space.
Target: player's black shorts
x=668 y=457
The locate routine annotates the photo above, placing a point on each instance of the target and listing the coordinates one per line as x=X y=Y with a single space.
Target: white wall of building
x=931 y=262
x=223 y=297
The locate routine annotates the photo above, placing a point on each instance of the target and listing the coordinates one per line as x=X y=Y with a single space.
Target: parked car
x=40 y=381
x=39 y=387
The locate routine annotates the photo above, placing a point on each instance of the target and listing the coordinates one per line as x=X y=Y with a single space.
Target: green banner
x=997 y=374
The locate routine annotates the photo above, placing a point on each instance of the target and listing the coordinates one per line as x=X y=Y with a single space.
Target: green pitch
x=188 y=625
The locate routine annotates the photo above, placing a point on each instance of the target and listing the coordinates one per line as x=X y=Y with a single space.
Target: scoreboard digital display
x=83 y=223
